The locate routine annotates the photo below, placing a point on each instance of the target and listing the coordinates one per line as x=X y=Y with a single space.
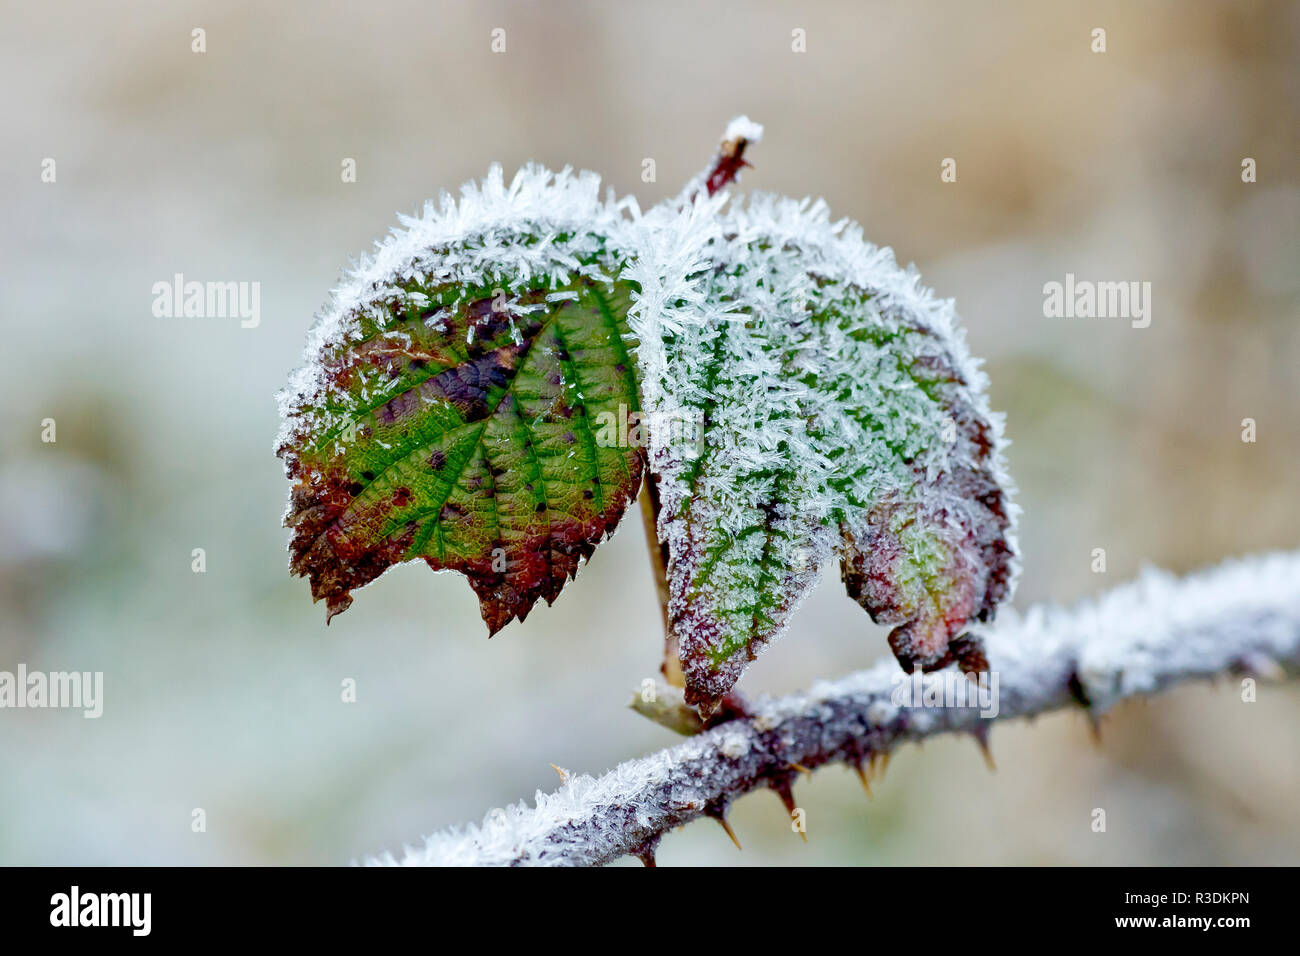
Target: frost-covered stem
x=672 y=667
x=1242 y=616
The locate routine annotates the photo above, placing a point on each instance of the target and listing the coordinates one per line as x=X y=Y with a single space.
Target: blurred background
x=222 y=688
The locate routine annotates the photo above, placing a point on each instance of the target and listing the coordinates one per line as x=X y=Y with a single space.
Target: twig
x=671 y=667
x=727 y=162
x=1241 y=616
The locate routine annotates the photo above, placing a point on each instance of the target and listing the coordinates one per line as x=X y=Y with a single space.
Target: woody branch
x=1240 y=617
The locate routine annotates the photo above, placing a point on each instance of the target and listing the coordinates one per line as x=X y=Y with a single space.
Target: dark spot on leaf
x=471 y=358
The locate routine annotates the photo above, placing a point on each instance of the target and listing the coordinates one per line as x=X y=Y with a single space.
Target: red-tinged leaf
x=462 y=399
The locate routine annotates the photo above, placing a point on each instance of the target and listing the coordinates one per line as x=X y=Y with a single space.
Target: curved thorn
x=981 y=735
x=1094 y=728
x=783 y=790
x=720 y=814
x=856 y=764
x=730 y=832
x=1080 y=695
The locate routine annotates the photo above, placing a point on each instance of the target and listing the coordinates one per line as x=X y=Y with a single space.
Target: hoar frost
x=843 y=417
x=447 y=412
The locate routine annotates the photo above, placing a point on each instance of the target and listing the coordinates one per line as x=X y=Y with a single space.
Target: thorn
x=1080 y=695
x=801 y=768
x=783 y=790
x=564 y=774
x=646 y=851
x=854 y=759
x=718 y=813
x=730 y=832
x=981 y=735
x=856 y=764
x=1094 y=728
x=884 y=764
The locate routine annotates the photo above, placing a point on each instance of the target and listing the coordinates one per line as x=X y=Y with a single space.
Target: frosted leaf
x=838 y=414
x=451 y=404
x=807 y=398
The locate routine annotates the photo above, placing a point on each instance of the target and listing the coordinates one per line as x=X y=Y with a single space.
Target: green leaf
x=459 y=401
x=471 y=397
x=841 y=418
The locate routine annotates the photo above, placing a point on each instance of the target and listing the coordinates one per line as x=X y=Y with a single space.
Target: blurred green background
x=223 y=689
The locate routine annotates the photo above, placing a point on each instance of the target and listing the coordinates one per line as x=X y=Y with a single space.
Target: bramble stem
x=1241 y=617
x=671 y=667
